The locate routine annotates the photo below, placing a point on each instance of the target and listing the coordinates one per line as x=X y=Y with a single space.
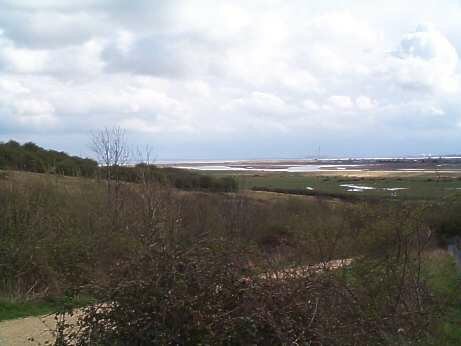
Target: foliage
x=445 y=217
x=32 y=158
x=195 y=277
x=179 y=178
x=12 y=309
x=169 y=267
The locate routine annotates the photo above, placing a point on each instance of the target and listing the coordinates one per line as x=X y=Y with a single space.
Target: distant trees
x=112 y=152
x=33 y=158
x=192 y=181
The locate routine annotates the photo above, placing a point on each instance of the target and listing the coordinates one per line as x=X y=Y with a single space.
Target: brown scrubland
x=164 y=266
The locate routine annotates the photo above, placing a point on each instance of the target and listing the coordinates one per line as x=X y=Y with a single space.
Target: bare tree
x=144 y=155
x=148 y=177
x=111 y=148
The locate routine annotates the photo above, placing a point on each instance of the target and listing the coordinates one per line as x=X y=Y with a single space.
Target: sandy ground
x=33 y=331
x=28 y=331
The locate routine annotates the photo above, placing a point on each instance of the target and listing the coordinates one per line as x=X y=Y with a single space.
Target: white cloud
x=310 y=105
x=73 y=61
x=343 y=27
x=33 y=107
x=22 y=60
x=19 y=109
x=426 y=59
x=341 y=102
x=365 y=103
x=124 y=41
x=259 y=103
x=205 y=70
x=12 y=86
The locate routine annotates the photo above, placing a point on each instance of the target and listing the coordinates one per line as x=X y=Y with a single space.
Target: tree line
x=30 y=157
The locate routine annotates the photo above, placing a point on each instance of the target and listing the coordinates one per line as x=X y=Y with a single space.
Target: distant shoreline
x=308 y=160
x=448 y=164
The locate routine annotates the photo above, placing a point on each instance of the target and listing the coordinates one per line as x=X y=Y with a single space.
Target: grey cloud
x=54 y=24
x=279 y=77
x=156 y=55
x=427 y=60
x=174 y=55
x=51 y=30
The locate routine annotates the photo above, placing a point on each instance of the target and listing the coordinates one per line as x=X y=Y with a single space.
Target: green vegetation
x=29 y=157
x=12 y=309
x=168 y=262
x=445 y=281
x=134 y=244
x=447 y=219
x=32 y=158
x=179 y=178
x=423 y=187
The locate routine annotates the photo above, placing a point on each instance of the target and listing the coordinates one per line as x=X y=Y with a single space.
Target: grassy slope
x=12 y=308
x=443 y=277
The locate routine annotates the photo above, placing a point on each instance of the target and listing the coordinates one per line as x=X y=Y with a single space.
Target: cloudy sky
x=234 y=79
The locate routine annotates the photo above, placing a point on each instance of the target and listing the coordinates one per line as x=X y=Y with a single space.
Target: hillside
x=33 y=158
x=29 y=157
x=71 y=237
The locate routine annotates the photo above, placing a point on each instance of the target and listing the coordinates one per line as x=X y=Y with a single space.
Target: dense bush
x=208 y=289
x=179 y=178
x=303 y=192
x=171 y=267
x=190 y=181
x=445 y=218
x=30 y=157
x=48 y=236
x=57 y=233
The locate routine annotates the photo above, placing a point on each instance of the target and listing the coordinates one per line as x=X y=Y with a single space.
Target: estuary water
x=273 y=168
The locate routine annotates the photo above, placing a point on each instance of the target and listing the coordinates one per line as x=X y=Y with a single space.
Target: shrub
x=208 y=289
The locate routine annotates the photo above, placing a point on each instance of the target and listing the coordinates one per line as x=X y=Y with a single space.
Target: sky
x=215 y=79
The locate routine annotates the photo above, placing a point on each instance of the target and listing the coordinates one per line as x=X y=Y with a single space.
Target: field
x=421 y=186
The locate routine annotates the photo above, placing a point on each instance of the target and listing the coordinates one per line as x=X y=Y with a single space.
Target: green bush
x=32 y=158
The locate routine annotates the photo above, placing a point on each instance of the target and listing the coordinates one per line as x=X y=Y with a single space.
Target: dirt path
x=33 y=331
x=38 y=330
x=299 y=272
x=28 y=331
